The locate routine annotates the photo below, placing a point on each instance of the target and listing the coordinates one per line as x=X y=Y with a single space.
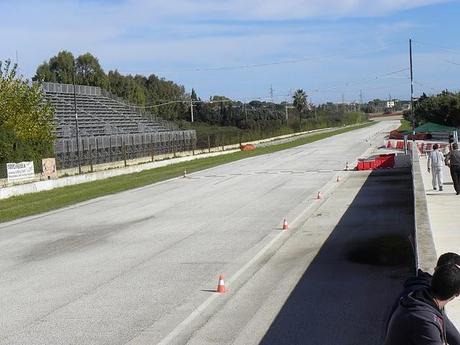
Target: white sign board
x=20 y=171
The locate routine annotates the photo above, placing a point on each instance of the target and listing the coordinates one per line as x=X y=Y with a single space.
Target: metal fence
x=113 y=148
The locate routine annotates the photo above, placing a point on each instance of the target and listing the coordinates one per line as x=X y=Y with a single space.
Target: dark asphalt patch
x=386 y=250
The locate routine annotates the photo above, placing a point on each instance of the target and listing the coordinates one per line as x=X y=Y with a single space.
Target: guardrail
x=425 y=252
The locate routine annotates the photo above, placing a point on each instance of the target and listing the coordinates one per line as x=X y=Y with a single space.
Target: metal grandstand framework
x=112 y=148
x=109 y=129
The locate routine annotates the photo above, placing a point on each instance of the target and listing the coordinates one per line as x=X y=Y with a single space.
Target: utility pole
x=286 y=108
x=411 y=88
x=191 y=110
x=361 y=97
x=76 y=122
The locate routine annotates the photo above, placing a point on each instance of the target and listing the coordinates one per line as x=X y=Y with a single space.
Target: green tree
x=59 y=69
x=300 y=101
x=443 y=108
x=26 y=119
x=89 y=71
x=193 y=95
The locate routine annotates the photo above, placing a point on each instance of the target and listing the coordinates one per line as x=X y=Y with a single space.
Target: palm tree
x=300 y=101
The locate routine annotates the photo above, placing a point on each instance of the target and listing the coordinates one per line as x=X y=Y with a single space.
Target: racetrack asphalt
x=130 y=268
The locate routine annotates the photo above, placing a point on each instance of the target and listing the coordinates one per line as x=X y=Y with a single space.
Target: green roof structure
x=431 y=127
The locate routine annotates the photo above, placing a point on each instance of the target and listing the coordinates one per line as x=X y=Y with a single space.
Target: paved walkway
x=444 y=211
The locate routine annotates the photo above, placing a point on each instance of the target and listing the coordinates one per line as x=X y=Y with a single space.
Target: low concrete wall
x=425 y=252
x=99 y=175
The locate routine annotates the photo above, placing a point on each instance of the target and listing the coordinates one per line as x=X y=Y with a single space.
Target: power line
x=346 y=84
x=425 y=85
x=275 y=63
x=452 y=63
x=272 y=95
x=454 y=50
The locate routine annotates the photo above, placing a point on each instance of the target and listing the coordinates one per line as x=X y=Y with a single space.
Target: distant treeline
x=137 y=89
x=443 y=108
x=217 y=111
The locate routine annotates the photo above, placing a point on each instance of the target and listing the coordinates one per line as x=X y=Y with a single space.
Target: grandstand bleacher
x=108 y=129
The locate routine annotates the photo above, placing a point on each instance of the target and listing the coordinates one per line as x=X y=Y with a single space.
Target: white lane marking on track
x=184 y=324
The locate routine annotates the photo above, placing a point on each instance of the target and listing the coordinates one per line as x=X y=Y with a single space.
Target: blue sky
x=241 y=49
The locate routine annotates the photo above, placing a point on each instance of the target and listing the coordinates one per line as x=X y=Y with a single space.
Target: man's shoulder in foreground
x=416 y=321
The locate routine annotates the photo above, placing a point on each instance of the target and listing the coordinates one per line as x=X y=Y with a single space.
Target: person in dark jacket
x=453 y=162
x=419 y=318
x=423 y=281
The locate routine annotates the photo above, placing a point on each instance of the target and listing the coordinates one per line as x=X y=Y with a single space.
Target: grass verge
x=35 y=203
x=405 y=126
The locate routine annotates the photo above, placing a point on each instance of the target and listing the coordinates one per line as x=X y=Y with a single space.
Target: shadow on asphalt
x=345 y=295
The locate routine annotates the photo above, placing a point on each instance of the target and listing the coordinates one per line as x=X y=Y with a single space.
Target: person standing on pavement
x=435 y=164
x=453 y=162
x=419 y=318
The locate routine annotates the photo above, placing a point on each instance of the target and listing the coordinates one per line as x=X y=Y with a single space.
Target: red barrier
x=247 y=147
x=377 y=162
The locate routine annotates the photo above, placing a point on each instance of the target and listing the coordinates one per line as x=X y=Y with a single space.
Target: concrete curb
x=425 y=251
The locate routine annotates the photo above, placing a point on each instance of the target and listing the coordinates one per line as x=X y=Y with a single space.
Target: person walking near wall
x=435 y=164
x=453 y=162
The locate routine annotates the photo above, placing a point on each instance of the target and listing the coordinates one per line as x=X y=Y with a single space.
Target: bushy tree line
x=176 y=103
x=140 y=90
x=443 y=108
x=26 y=120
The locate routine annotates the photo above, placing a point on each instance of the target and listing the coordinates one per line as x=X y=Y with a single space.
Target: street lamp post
x=411 y=89
x=76 y=122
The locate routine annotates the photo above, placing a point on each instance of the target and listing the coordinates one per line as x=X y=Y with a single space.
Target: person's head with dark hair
x=448 y=258
x=435 y=146
x=445 y=284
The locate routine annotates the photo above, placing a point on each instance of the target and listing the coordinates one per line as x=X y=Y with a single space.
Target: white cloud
x=282 y=10
x=172 y=37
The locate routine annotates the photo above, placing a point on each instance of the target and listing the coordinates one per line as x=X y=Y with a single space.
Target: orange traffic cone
x=221 y=284
x=319 y=196
x=285 y=224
